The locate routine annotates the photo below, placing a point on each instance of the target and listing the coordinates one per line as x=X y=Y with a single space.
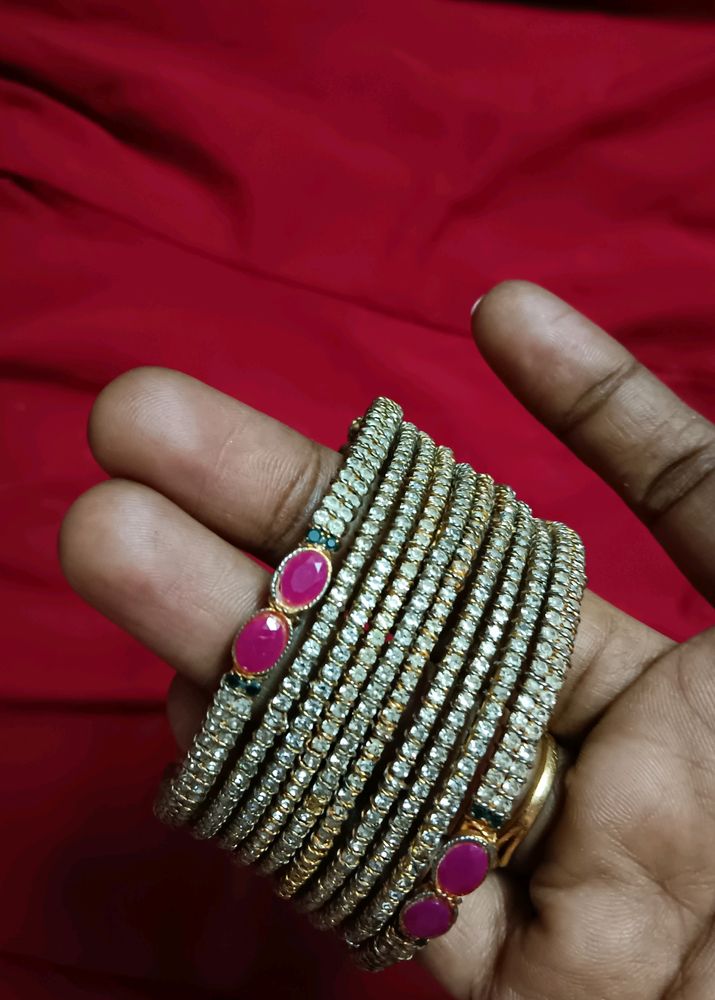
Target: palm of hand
x=621 y=900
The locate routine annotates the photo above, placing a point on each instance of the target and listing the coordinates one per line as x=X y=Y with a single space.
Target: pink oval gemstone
x=261 y=642
x=462 y=868
x=427 y=917
x=303 y=578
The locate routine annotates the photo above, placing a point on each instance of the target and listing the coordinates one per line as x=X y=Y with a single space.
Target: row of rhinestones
x=394 y=792
x=365 y=456
x=430 y=773
x=276 y=715
x=417 y=854
x=181 y=797
x=350 y=763
x=339 y=647
x=393 y=779
x=331 y=715
x=505 y=776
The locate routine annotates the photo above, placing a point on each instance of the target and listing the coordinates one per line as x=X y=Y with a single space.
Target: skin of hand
x=619 y=899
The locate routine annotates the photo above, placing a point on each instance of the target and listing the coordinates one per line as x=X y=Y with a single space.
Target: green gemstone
x=481 y=812
x=314 y=536
x=248 y=685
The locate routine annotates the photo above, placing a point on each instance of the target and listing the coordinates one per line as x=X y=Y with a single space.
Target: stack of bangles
x=380 y=741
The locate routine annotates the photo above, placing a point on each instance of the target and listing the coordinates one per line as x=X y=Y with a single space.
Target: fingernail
x=475 y=306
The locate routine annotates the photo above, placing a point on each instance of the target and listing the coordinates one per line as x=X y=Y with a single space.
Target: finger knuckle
x=597 y=396
x=690 y=470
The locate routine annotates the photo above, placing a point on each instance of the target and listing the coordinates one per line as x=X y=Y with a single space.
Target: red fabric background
x=297 y=202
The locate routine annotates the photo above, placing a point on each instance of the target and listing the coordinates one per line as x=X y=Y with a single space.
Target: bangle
x=531 y=806
x=267 y=633
x=276 y=715
x=434 y=909
x=330 y=668
x=424 y=616
x=394 y=943
x=394 y=781
x=450 y=786
x=380 y=742
x=383 y=668
x=507 y=773
x=441 y=818
x=418 y=662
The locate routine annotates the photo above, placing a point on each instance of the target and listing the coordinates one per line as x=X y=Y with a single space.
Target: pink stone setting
x=261 y=642
x=462 y=866
x=427 y=916
x=301 y=579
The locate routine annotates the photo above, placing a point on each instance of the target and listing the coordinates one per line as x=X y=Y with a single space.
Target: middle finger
x=243 y=474
x=155 y=571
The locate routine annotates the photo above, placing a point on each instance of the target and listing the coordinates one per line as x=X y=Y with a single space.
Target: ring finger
x=154 y=570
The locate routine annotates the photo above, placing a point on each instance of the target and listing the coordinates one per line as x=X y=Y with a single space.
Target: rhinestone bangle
x=276 y=715
x=395 y=779
x=507 y=774
x=330 y=672
x=182 y=795
x=351 y=762
x=416 y=858
x=336 y=713
x=505 y=780
x=385 y=768
x=431 y=773
x=397 y=772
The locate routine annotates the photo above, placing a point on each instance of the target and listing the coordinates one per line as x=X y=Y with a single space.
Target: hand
x=622 y=901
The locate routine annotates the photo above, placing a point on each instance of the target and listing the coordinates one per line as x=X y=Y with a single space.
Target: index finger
x=653 y=449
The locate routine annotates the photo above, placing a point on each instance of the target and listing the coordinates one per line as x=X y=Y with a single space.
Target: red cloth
x=297 y=202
